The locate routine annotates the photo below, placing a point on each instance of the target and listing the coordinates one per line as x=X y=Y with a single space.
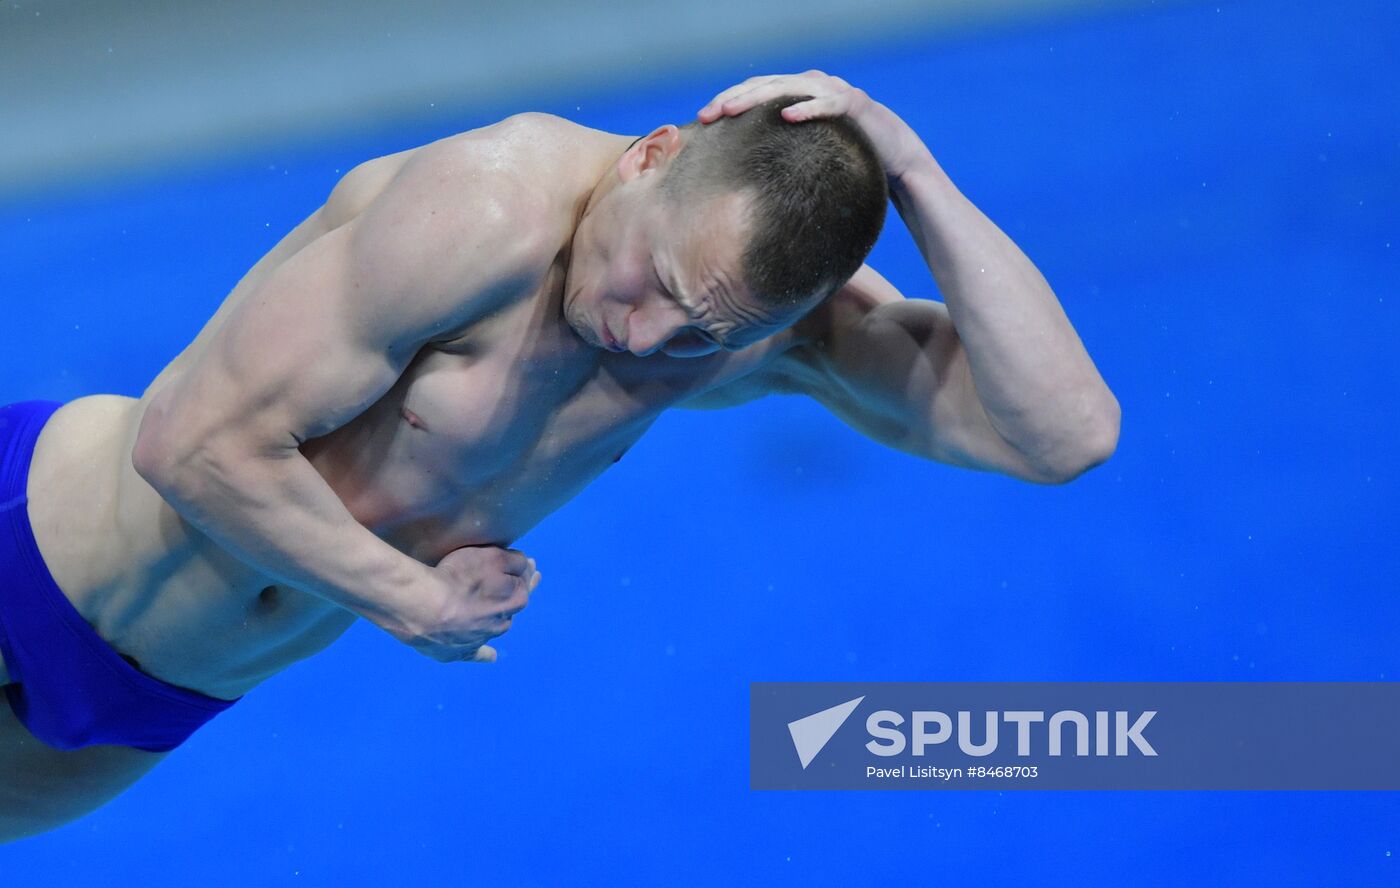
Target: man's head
x=719 y=235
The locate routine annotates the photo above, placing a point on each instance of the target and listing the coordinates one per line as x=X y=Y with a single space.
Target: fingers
x=514 y=603
x=525 y=570
x=757 y=90
x=512 y=588
x=460 y=652
x=515 y=562
x=529 y=578
x=711 y=110
x=519 y=594
x=741 y=101
x=822 y=106
x=487 y=587
x=483 y=654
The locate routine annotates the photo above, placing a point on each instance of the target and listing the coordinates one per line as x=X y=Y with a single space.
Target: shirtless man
x=453 y=346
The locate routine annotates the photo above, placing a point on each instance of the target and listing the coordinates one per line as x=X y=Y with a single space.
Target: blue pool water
x=1214 y=191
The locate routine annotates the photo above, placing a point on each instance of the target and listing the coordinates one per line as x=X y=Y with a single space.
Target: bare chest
x=479 y=441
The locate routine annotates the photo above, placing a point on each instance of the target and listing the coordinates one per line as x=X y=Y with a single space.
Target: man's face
x=650 y=274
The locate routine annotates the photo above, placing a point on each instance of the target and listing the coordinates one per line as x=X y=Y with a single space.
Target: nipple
x=412 y=418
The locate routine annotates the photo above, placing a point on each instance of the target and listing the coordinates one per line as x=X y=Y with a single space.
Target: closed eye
x=686 y=339
x=674 y=299
x=690 y=343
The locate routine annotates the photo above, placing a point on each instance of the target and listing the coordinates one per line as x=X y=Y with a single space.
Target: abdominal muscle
x=157 y=589
x=160 y=591
x=154 y=587
x=190 y=613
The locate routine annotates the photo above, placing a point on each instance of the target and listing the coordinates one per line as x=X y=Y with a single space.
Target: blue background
x=1212 y=190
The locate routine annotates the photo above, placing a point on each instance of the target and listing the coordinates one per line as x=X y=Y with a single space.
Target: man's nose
x=646 y=334
x=647 y=343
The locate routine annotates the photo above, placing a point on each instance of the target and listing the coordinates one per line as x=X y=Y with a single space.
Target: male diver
x=453 y=346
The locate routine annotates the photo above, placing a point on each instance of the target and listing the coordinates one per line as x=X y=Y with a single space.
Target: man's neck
x=607 y=177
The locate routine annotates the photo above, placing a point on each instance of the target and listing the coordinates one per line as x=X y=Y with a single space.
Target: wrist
x=409 y=603
x=902 y=153
x=915 y=171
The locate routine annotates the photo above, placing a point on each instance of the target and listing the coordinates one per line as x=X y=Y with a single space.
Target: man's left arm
x=993 y=378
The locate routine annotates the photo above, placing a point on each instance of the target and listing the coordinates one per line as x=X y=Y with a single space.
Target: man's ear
x=652 y=152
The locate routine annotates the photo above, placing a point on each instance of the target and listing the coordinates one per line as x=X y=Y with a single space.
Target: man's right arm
x=323 y=336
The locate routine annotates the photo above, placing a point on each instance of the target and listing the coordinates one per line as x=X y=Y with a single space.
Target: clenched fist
x=480 y=590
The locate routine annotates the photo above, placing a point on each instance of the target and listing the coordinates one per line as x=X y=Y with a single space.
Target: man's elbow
x=179 y=466
x=1093 y=444
x=160 y=459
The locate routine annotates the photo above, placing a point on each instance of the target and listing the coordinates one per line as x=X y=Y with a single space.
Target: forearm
x=1037 y=384
x=273 y=511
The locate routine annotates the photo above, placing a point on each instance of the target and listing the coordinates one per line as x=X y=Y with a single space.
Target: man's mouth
x=610 y=341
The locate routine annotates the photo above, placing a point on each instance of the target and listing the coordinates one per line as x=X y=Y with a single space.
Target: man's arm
x=997 y=378
x=319 y=339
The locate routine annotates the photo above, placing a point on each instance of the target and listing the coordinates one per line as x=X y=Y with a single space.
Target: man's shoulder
x=460 y=199
x=543 y=153
x=511 y=152
x=513 y=185
x=535 y=123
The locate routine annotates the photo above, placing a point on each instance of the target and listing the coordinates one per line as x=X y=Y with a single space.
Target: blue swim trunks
x=68 y=686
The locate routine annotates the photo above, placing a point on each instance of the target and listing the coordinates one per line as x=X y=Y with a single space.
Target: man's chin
x=581 y=331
